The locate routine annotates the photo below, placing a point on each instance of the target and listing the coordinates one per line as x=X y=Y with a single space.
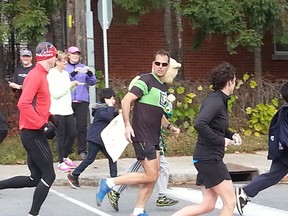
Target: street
x=65 y=201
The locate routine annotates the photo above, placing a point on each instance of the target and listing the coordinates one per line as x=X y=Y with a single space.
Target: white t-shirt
x=60 y=90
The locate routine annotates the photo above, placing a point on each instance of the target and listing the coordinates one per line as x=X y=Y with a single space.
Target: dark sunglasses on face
x=164 y=64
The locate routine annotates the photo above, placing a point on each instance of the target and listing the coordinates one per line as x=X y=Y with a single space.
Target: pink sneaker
x=62 y=167
x=69 y=163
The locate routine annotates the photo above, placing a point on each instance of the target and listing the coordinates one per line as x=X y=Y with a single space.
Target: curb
x=186 y=179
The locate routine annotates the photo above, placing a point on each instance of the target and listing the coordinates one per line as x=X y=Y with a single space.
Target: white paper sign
x=113 y=137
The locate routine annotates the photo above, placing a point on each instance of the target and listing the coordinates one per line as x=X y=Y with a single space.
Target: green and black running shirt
x=148 y=108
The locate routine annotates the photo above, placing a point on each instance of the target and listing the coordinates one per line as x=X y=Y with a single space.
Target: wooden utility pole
x=58 y=27
x=71 y=40
x=76 y=26
x=81 y=39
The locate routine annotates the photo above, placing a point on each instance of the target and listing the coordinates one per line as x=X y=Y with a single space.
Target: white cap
x=25 y=52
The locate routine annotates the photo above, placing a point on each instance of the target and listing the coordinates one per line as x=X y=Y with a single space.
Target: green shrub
x=8 y=106
x=251 y=107
x=184 y=111
x=260 y=118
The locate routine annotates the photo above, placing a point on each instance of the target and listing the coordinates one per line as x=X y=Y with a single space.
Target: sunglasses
x=164 y=64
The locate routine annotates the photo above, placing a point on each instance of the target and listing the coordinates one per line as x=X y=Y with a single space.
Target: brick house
x=131 y=49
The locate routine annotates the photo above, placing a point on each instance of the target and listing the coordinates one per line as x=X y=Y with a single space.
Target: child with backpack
x=103 y=113
x=277 y=152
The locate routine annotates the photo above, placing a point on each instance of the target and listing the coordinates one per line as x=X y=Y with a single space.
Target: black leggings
x=65 y=135
x=40 y=164
x=81 y=116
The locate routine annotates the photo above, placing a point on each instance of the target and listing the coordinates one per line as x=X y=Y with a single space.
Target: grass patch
x=250 y=144
x=184 y=145
x=13 y=152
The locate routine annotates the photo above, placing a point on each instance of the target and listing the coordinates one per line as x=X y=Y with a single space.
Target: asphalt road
x=64 y=201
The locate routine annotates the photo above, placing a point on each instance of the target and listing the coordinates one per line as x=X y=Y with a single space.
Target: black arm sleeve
x=209 y=110
x=90 y=73
x=73 y=73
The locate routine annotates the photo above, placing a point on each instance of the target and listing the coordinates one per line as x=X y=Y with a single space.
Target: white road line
x=251 y=209
x=81 y=204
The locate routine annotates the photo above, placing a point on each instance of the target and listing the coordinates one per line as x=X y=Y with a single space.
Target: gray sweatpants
x=162 y=182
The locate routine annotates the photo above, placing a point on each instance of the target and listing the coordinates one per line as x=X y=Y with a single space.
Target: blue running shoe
x=143 y=214
x=102 y=190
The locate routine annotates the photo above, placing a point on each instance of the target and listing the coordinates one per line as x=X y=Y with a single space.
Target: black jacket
x=212 y=127
x=278 y=136
x=20 y=74
x=103 y=115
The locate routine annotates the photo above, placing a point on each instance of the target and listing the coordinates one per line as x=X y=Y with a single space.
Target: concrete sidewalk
x=181 y=168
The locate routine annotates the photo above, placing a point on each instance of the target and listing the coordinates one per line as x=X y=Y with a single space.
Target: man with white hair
x=34 y=105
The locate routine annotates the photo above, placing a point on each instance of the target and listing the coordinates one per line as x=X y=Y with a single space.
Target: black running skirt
x=211 y=173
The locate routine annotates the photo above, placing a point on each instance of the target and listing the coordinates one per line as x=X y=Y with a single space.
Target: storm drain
x=241 y=173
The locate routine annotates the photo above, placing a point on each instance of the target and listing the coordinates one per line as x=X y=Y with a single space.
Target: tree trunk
x=70 y=17
x=180 y=74
x=14 y=59
x=168 y=28
x=80 y=18
x=258 y=62
x=2 y=66
x=58 y=28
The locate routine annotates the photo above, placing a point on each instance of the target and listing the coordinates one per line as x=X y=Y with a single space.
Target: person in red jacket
x=34 y=105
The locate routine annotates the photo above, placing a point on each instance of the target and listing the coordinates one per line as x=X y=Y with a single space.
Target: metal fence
x=10 y=53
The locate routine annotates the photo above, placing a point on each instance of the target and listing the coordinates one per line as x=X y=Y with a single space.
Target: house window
x=280 y=49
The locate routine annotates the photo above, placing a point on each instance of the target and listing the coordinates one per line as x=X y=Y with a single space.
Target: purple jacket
x=80 y=93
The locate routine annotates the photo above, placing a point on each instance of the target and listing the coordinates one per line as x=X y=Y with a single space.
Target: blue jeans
x=277 y=171
x=93 y=149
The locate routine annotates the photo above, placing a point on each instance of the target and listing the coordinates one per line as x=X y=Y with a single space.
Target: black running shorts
x=211 y=173
x=145 y=150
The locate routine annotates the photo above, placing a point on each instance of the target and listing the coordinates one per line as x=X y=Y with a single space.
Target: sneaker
x=83 y=155
x=241 y=199
x=113 y=197
x=62 y=167
x=165 y=201
x=141 y=214
x=69 y=163
x=73 y=180
x=102 y=190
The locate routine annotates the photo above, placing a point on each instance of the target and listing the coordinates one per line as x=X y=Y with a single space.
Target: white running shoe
x=241 y=199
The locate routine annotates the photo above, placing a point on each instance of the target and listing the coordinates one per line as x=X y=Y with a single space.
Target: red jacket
x=34 y=103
